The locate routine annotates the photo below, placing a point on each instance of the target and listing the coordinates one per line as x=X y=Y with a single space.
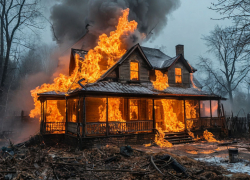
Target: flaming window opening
x=134 y=71
x=178 y=76
x=161 y=82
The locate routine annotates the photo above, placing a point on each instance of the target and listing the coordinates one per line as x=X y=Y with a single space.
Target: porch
x=93 y=116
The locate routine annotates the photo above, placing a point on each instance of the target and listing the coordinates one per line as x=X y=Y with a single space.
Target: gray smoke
x=71 y=19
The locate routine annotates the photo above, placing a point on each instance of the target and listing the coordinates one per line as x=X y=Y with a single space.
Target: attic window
x=178 y=78
x=134 y=71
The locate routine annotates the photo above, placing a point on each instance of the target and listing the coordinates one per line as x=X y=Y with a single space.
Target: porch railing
x=114 y=127
x=96 y=128
x=130 y=127
x=55 y=127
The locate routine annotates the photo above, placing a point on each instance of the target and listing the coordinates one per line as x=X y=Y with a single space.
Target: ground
x=38 y=160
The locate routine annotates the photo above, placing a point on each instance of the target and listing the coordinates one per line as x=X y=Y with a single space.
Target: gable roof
x=159 y=60
x=124 y=57
x=155 y=58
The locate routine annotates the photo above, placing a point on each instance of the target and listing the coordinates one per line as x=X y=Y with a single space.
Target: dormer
x=133 y=67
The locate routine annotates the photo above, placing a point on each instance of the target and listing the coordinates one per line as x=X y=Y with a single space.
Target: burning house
x=118 y=91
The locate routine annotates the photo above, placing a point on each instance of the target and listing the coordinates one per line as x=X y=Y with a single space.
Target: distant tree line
x=21 y=50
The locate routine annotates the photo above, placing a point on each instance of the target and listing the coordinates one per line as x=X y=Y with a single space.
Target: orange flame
x=113 y=108
x=161 y=82
x=109 y=49
x=192 y=81
x=171 y=122
x=160 y=141
x=209 y=136
x=191 y=113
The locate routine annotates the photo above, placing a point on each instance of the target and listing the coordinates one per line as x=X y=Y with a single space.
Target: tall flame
x=161 y=82
x=171 y=122
x=110 y=49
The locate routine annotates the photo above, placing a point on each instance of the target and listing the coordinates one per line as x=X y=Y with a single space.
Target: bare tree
x=239 y=12
x=230 y=65
x=16 y=16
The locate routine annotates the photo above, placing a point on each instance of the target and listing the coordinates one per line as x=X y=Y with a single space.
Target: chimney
x=179 y=49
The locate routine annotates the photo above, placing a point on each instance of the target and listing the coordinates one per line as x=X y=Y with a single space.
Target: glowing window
x=178 y=78
x=134 y=71
x=134 y=109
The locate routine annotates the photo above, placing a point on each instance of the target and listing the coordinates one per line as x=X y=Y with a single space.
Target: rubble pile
x=40 y=161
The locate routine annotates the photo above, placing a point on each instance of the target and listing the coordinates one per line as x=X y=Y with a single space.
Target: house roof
x=142 y=89
x=155 y=58
x=159 y=60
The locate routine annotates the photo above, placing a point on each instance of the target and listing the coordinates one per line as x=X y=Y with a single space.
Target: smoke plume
x=72 y=19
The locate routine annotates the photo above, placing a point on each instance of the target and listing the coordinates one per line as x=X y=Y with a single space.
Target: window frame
x=178 y=75
x=134 y=61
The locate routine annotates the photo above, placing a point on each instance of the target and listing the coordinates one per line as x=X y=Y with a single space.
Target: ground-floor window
x=73 y=110
x=141 y=109
x=55 y=116
x=169 y=115
x=214 y=106
x=205 y=108
x=192 y=114
x=95 y=109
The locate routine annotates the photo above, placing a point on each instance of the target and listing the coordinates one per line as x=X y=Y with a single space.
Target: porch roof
x=133 y=89
x=140 y=89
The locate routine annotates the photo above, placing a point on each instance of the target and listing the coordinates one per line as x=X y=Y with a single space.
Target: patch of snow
x=239 y=167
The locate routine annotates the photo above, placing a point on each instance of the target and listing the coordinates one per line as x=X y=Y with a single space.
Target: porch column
x=154 y=123
x=66 y=123
x=42 y=116
x=84 y=118
x=107 y=118
x=185 y=119
x=78 y=116
x=200 y=113
x=210 y=113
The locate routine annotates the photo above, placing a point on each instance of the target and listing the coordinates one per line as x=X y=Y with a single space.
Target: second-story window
x=134 y=71
x=178 y=76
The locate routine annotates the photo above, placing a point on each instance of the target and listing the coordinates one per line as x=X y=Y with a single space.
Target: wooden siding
x=124 y=69
x=112 y=75
x=185 y=75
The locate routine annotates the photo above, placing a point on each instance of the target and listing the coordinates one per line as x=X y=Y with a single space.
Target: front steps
x=178 y=138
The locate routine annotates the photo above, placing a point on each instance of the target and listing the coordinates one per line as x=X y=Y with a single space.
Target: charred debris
x=38 y=159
